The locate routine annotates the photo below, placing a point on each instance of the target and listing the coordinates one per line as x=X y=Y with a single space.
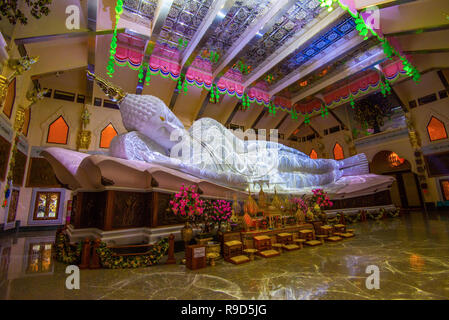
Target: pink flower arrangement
x=300 y=204
x=320 y=198
x=221 y=211
x=187 y=203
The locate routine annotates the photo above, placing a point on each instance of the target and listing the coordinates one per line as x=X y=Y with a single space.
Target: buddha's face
x=150 y=116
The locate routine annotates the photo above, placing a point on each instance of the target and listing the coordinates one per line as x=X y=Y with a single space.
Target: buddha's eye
x=162 y=119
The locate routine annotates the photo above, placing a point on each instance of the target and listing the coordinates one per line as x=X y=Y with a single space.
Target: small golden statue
x=22 y=64
x=262 y=201
x=19 y=119
x=115 y=93
x=84 y=136
x=250 y=207
x=277 y=203
x=235 y=209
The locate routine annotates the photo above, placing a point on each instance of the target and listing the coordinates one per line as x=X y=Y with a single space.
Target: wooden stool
x=299 y=242
x=306 y=234
x=290 y=247
x=321 y=237
x=250 y=253
x=233 y=252
x=278 y=247
x=262 y=243
x=334 y=238
x=284 y=238
x=340 y=228
x=327 y=230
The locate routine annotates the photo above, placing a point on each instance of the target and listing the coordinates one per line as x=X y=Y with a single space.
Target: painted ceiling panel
x=361 y=52
x=305 y=53
x=183 y=21
x=289 y=24
x=242 y=15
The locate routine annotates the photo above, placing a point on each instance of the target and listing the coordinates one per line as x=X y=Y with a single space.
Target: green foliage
x=245 y=102
x=108 y=260
x=271 y=108
x=372 y=110
x=113 y=50
x=65 y=252
x=9 y=10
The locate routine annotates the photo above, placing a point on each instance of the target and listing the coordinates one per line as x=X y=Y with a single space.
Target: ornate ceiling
x=278 y=56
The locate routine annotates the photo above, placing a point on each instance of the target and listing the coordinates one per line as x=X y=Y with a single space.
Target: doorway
x=405 y=190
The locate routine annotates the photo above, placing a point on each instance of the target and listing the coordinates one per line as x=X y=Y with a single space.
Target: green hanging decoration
x=148 y=76
x=272 y=109
x=213 y=57
x=243 y=67
x=214 y=94
x=186 y=86
x=352 y=101
x=364 y=30
x=385 y=88
x=324 y=111
x=179 y=84
x=307 y=119
x=328 y=4
x=294 y=113
x=113 y=49
x=245 y=102
x=182 y=43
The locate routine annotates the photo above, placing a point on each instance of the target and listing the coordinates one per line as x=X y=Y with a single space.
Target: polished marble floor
x=411 y=252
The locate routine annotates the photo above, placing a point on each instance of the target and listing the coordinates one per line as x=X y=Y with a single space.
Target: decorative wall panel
x=41 y=174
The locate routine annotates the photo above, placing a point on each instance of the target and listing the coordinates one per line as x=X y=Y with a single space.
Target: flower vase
x=186 y=233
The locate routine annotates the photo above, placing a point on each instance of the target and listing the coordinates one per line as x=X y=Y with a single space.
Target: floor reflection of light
x=416 y=262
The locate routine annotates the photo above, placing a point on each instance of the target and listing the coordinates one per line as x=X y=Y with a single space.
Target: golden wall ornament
x=19 y=119
x=112 y=91
x=34 y=95
x=4 y=84
x=83 y=140
x=22 y=64
x=84 y=136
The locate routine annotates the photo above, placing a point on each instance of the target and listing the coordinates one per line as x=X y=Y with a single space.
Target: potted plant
x=320 y=201
x=302 y=208
x=221 y=213
x=187 y=204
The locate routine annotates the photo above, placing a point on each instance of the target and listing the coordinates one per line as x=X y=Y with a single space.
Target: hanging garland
x=272 y=108
x=324 y=111
x=351 y=99
x=113 y=49
x=385 y=88
x=182 y=86
x=307 y=119
x=294 y=113
x=10 y=176
x=363 y=30
x=214 y=94
x=64 y=252
x=245 y=102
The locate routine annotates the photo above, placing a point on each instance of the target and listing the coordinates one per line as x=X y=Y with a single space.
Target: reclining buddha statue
x=210 y=151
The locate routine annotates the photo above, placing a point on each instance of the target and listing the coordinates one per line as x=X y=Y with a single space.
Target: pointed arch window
x=313 y=154
x=107 y=134
x=338 y=152
x=436 y=129
x=58 y=131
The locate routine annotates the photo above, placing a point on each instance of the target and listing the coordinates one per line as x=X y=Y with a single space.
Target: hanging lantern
x=394 y=160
